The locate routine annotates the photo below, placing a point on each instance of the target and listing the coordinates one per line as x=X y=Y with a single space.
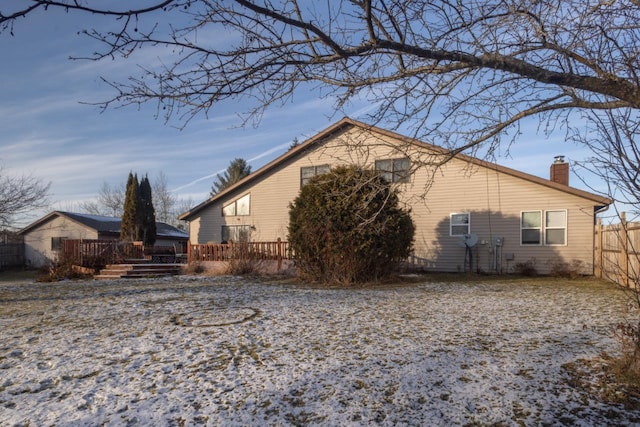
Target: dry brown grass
x=17 y=275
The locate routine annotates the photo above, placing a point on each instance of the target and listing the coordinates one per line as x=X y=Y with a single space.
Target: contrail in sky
x=253 y=159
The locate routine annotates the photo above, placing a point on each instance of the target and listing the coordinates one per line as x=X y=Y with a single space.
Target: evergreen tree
x=347 y=226
x=237 y=169
x=130 y=224
x=147 y=213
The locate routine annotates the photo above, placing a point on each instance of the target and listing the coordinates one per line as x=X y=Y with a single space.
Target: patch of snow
x=228 y=351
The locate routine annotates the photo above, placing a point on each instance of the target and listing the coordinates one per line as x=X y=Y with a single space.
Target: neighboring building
x=515 y=217
x=43 y=238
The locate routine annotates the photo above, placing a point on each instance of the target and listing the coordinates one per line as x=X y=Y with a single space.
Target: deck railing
x=278 y=251
x=96 y=253
x=90 y=252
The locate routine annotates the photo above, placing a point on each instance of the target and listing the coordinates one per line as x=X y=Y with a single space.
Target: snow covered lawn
x=231 y=351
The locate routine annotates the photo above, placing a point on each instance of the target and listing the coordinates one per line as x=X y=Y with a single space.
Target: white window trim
x=540 y=229
x=468 y=214
x=565 y=228
x=235 y=205
x=543 y=228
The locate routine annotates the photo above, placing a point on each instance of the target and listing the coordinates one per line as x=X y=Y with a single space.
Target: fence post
x=598 y=255
x=624 y=250
x=279 y=252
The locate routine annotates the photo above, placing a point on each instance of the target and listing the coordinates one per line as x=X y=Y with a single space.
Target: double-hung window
x=531 y=228
x=394 y=170
x=543 y=227
x=555 y=228
x=459 y=224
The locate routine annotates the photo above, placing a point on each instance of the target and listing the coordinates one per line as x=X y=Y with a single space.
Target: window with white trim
x=308 y=172
x=531 y=228
x=547 y=228
x=238 y=207
x=459 y=224
x=555 y=228
x=394 y=170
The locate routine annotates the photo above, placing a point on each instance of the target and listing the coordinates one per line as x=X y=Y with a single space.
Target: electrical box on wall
x=497 y=241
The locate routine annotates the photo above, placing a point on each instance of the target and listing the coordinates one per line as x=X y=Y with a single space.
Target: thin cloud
x=251 y=160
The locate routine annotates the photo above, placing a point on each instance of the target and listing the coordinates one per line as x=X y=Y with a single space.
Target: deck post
x=279 y=253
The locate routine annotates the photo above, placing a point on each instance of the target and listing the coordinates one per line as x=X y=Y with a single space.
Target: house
x=43 y=238
x=468 y=213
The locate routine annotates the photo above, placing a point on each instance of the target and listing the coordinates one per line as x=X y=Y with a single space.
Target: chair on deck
x=181 y=256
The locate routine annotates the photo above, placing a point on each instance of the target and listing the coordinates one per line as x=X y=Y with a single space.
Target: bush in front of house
x=568 y=270
x=347 y=227
x=63 y=269
x=527 y=268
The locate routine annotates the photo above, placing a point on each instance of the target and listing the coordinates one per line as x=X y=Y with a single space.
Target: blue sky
x=47 y=131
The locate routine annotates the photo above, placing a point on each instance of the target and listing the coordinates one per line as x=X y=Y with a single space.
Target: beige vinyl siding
x=270 y=199
x=38 y=241
x=493 y=198
x=495 y=201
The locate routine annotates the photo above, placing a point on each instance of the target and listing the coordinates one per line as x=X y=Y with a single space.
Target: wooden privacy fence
x=278 y=251
x=11 y=255
x=617 y=252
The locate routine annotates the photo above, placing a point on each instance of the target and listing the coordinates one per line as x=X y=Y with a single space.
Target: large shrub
x=346 y=226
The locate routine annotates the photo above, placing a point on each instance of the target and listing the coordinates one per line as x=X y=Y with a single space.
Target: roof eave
x=38 y=222
x=348 y=122
x=344 y=122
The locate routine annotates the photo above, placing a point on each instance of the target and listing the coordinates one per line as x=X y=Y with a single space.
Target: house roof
x=104 y=224
x=347 y=123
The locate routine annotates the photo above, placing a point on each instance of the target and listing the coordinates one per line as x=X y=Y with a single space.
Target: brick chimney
x=559 y=171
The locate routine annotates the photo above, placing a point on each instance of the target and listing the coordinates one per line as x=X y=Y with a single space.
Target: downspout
x=596 y=211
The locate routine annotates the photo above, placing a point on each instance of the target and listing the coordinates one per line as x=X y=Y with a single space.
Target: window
x=237 y=233
x=553 y=229
x=308 y=172
x=240 y=206
x=459 y=224
x=56 y=243
x=394 y=170
x=531 y=228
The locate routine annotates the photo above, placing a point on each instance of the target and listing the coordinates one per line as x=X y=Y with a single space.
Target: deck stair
x=135 y=269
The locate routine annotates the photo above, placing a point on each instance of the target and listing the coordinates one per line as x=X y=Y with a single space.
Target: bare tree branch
x=19 y=195
x=164 y=200
x=464 y=72
x=615 y=157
